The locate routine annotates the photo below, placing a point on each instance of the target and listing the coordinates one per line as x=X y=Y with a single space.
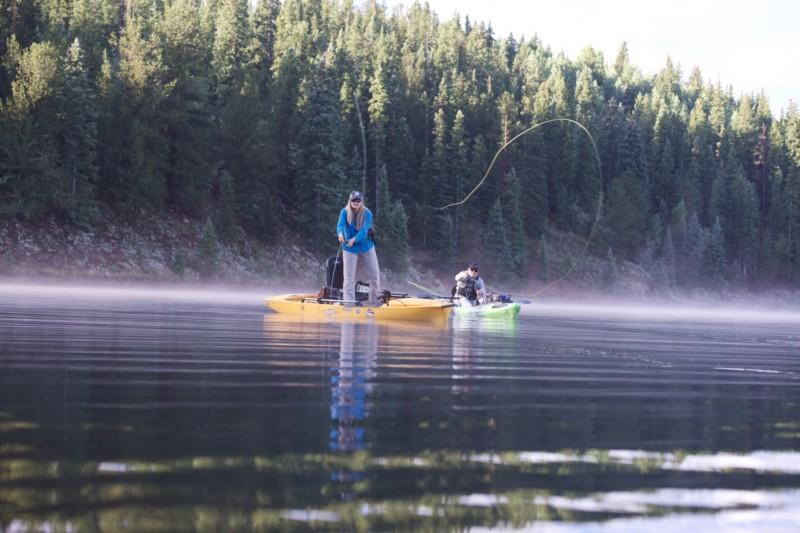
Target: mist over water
x=180 y=409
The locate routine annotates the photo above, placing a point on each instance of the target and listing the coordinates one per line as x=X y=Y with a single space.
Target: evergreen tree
x=668 y=258
x=77 y=137
x=230 y=47
x=187 y=119
x=715 y=265
x=515 y=227
x=262 y=41
x=132 y=158
x=378 y=118
x=691 y=267
x=625 y=222
x=497 y=244
x=320 y=158
x=391 y=226
x=31 y=177
x=544 y=260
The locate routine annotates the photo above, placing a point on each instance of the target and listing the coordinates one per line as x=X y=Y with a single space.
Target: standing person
x=469 y=284
x=354 y=234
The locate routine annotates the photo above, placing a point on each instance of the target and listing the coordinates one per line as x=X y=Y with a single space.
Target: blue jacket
x=363 y=242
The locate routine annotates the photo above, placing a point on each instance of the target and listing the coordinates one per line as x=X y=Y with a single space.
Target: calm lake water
x=174 y=411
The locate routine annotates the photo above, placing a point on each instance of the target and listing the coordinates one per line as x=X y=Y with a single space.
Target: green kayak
x=507 y=310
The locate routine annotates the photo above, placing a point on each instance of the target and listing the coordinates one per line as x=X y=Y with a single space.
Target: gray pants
x=369 y=261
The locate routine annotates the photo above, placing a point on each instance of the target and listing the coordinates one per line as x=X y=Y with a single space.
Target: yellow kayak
x=405 y=309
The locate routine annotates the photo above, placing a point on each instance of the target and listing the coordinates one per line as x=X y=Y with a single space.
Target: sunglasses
x=356 y=200
x=474 y=269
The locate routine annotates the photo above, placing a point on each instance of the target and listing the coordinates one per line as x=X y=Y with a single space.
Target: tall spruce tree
x=715 y=263
x=77 y=137
x=320 y=159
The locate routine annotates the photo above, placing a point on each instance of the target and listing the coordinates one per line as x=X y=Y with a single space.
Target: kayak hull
x=399 y=309
x=501 y=310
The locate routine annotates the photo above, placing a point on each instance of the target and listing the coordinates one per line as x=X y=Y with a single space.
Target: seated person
x=470 y=286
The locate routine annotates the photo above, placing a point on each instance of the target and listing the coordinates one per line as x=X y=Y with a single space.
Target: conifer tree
x=715 y=265
x=497 y=244
x=625 y=221
x=231 y=40
x=668 y=258
x=515 y=227
x=31 y=178
x=391 y=226
x=262 y=42
x=187 y=119
x=544 y=260
x=691 y=267
x=320 y=158
x=77 y=137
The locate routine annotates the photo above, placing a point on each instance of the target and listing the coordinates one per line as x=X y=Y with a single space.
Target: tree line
x=259 y=118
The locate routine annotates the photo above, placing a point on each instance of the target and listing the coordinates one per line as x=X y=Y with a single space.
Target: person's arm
x=362 y=233
x=341 y=226
x=461 y=276
x=479 y=285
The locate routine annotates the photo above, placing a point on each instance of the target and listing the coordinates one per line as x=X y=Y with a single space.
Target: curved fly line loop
x=599 y=199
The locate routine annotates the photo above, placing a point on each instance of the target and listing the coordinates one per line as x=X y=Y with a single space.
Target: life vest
x=468 y=288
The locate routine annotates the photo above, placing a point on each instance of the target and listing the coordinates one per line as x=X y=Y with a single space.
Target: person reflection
x=350 y=385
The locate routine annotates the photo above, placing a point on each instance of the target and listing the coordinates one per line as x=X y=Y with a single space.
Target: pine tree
x=320 y=158
x=132 y=158
x=262 y=42
x=391 y=226
x=230 y=47
x=377 y=110
x=497 y=244
x=668 y=258
x=515 y=227
x=31 y=178
x=187 y=118
x=544 y=260
x=625 y=222
x=77 y=137
x=691 y=267
x=715 y=265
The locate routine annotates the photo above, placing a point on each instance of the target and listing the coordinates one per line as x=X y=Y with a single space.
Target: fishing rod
x=599 y=198
x=432 y=292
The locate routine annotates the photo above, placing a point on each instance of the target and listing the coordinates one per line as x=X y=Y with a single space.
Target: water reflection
x=350 y=385
x=148 y=415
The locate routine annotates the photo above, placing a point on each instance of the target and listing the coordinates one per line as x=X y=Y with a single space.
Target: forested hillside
x=260 y=119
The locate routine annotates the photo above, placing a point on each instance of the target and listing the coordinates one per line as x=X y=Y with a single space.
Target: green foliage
x=690 y=268
x=715 y=265
x=391 y=226
x=262 y=119
x=625 y=222
x=515 y=226
x=228 y=58
x=320 y=160
x=77 y=137
x=496 y=241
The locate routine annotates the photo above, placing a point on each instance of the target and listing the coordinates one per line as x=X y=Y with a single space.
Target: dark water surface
x=146 y=411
